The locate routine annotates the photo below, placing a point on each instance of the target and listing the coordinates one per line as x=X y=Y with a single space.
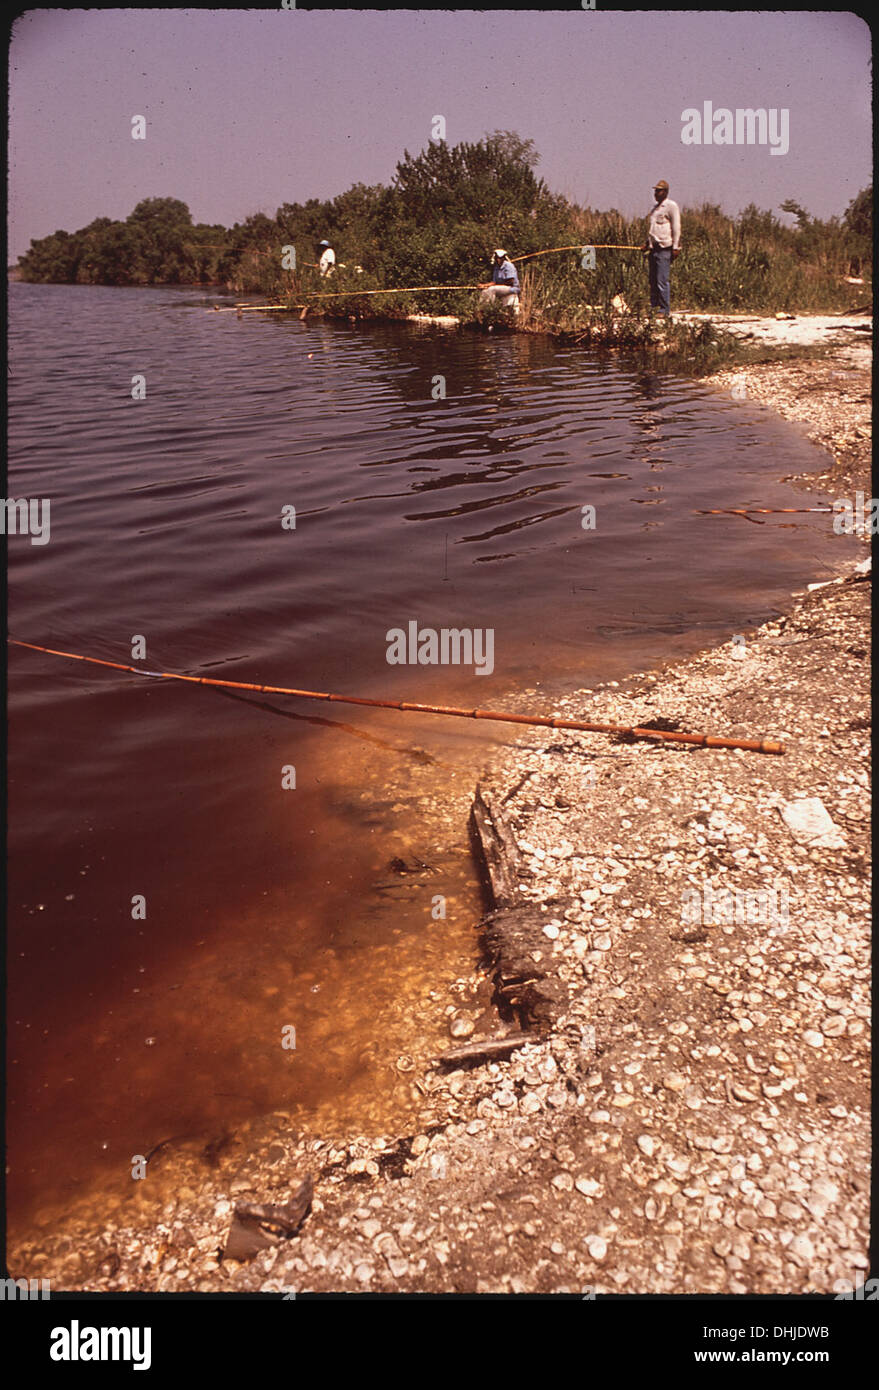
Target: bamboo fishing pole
x=767 y=511
x=407 y=289
x=581 y=246
x=339 y=294
x=751 y=513
x=415 y=289
x=763 y=745
x=251 y=308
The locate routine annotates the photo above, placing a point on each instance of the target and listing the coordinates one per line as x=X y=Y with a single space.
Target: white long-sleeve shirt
x=327 y=261
x=664 y=224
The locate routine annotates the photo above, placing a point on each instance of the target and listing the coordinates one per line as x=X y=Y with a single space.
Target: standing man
x=663 y=245
x=504 y=283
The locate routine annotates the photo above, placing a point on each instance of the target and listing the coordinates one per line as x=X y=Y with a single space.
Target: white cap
x=500 y=252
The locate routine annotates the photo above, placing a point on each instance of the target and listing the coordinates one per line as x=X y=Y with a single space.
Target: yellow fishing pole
x=581 y=246
x=412 y=289
x=340 y=294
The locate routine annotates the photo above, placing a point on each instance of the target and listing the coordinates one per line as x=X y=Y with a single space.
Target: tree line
x=435 y=223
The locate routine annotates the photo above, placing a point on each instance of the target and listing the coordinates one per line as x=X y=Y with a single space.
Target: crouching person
x=503 y=288
x=326 y=258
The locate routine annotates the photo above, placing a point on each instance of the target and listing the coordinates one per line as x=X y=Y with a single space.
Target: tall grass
x=752 y=263
x=730 y=265
x=725 y=267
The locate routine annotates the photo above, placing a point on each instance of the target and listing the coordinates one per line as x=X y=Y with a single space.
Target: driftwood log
x=512 y=930
x=499 y=850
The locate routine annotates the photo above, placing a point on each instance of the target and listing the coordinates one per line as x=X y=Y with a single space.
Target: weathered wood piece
x=513 y=930
x=500 y=852
x=254 y=1226
x=484 y=1049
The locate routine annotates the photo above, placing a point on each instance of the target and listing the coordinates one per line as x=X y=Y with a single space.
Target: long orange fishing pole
x=763 y=745
x=581 y=246
x=742 y=512
x=748 y=512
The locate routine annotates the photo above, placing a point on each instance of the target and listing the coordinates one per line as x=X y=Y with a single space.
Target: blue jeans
x=659 y=263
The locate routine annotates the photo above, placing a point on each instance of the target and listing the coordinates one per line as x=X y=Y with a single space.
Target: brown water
x=269 y=907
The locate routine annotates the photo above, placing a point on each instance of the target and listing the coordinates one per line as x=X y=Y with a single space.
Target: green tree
x=798 y=211
x=53 y=259
x=204 y=248
x=450 y=205
x=160 y=214
x=166 y=225
x=114 y=253
x=859 y=214
x=514 y=148
x=252 y=257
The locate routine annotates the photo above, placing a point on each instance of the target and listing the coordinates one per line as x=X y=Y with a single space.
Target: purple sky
x=247 y=110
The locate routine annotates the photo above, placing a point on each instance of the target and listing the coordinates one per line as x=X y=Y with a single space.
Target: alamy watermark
x=75 y=1343
x=25 y=1290
x=852 y=518
x=450 y=646
x=26 y=516
x=744 y=126
x=727 y=907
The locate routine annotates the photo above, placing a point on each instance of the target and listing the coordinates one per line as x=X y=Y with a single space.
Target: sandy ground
x=849 y=334
x=694 y=1117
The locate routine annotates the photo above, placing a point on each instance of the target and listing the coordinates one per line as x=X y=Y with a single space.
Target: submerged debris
x=254 y=1227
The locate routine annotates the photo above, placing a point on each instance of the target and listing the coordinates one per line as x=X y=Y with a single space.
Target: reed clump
x=752 y=262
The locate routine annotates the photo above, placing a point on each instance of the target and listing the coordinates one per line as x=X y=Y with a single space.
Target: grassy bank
x=555 y=305
x=750 y=263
